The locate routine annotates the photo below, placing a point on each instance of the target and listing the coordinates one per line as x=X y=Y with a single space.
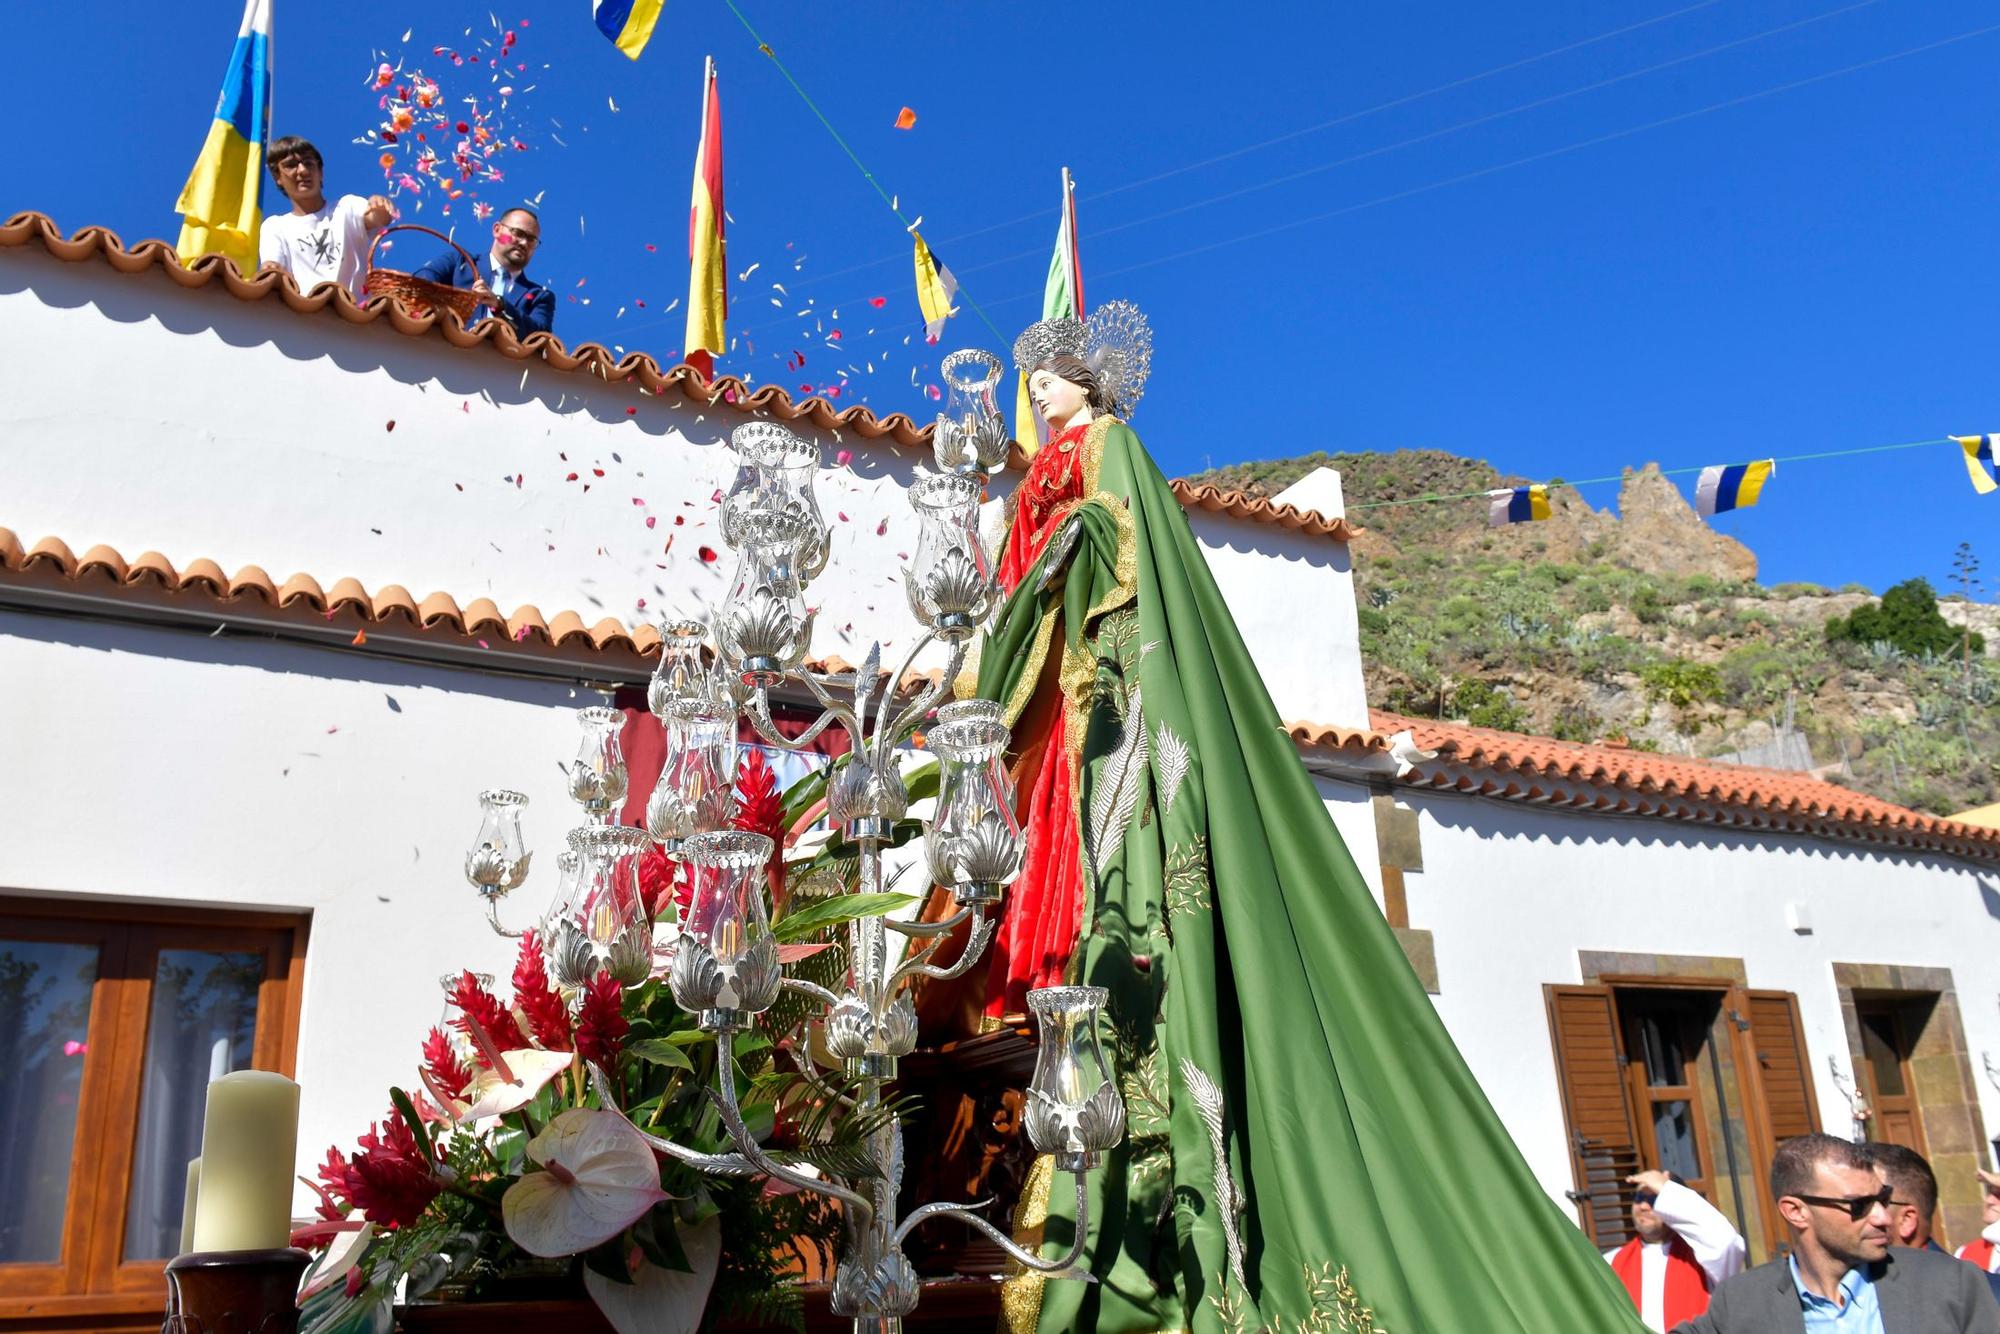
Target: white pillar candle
x=249 y=1151
x=187 y=1205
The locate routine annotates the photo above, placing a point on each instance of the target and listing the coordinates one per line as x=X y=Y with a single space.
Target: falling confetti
x=906 y=119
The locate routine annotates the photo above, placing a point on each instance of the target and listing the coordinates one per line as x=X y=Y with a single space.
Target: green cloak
x=1305 y=1147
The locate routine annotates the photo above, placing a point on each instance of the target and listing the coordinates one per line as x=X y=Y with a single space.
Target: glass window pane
x=1878 y=1043
x=1673 y=1131
x=204 y=1018
x=1660 y=1047
x=45 y=990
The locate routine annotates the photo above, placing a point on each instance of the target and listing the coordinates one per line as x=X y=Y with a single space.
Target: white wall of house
x=162 y=764
x=193 y=423
x=1513 y=892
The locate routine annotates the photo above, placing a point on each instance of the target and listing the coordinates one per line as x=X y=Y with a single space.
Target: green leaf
x=661 y=1051
x=609 y=1260
x=415 y=1122
x=660 y=1241
x=804 y=793
x=820 y=914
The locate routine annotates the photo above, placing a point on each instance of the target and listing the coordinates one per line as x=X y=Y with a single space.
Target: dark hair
x=1077 y=371
x=284 y=150
x=1795 y=1166
x=1907 y=1174
x=507 y=213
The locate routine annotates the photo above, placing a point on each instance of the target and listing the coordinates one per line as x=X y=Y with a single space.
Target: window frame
x=90 y=1275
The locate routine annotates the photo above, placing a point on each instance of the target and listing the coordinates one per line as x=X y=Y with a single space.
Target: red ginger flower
x=475 y=1002
x=441 y=1063
x=760 y=809
x=391 y=1180
x=602 y=1024
x=662 y=882
x=336 y=1189
x=547 y=1016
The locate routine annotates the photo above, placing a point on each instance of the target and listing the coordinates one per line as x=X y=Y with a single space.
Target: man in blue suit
x=500 y=278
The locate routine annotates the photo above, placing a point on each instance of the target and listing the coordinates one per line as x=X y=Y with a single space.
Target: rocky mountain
x=1644 y=624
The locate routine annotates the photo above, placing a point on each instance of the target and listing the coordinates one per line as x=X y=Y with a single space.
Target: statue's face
x=1059 y=401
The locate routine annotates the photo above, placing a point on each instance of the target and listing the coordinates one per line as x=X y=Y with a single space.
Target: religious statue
x=1305 y=1147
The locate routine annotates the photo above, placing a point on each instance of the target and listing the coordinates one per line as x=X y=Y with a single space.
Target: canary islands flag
x=628 y=23
x=1978 y=461
x=219 y=204
x=1522 y=504
x=936 y=290
x=1731 y=486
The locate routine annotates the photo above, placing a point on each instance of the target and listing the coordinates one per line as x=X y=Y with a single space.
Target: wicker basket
x=419 y=294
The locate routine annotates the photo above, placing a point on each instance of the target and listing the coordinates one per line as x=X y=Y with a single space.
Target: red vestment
x=1687 y=1282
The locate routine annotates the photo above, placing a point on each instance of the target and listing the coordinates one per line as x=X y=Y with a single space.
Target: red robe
x=1044 y=909
x=1979 y=1252
x=1687 y=1282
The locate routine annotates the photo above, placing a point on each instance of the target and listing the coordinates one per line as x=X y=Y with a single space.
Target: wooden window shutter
x=1782 y=1067
x=1597 y=1107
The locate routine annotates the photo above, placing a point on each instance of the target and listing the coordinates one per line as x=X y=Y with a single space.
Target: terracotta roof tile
x=1496 y=763
x=592 y=358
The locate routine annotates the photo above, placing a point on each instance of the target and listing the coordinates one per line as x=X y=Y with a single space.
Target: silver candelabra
x=723 y=966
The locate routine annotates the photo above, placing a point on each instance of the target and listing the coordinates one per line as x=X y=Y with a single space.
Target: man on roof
x=319 y=241
x=500 y=278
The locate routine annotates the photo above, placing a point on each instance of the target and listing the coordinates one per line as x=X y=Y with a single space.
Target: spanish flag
x=1978 y=461
x=628 y=23
x=708 y=274
x=936 y=289
x=1521 y=504
x=1731 y=486
x=219 y=204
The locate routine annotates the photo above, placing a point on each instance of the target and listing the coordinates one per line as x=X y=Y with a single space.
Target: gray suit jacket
x=1920 y=1292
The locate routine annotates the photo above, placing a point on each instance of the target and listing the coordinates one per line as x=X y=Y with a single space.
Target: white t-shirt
x=329 y=246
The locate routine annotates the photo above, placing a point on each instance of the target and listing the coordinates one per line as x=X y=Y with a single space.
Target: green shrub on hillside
x=1906 y=617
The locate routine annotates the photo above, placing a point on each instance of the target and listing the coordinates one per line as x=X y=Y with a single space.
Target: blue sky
x=1706 y=237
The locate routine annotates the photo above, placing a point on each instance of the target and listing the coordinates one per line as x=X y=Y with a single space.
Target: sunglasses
x=1857 y=1206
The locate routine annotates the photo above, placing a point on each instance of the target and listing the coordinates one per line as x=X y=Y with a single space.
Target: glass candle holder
x=606 y=908
x=726 y=967
x=752 y=445
x=790 y=469
x=971 y=435
x=1074 y=1110
x=696 y=790
x=974 y=843
x=597 y=777
x=950 y=582
x=681 y=673
x=497 y=861
x=764 y=622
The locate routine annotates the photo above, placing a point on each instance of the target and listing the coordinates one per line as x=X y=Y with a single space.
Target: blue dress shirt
x=1860 y=1311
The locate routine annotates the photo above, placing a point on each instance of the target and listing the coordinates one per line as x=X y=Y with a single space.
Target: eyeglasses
x=1644 y=1197
x=1857 y=1206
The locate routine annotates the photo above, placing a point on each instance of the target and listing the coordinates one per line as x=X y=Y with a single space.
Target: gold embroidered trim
x=1021 y=1295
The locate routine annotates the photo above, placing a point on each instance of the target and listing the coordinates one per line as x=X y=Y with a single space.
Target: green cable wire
x=1664 y=472
x=852 y=156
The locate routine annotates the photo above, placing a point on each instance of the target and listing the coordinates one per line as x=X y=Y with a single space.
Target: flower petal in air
x=492 y=1094
x=600 y=1178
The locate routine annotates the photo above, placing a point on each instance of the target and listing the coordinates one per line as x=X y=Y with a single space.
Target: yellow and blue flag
x=628 y=23
x=1978 y=461
x=219 y=205
x=936 y=290
x=1521 y=504
x=1731 y=486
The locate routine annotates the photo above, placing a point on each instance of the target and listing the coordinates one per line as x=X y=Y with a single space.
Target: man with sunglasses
x=500 y=279
x=1683 y=1248
x=1913 y=1203
x=1841 y=1276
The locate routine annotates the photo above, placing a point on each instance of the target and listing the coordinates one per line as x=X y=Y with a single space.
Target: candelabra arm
x=919 y=964
x=944 y=926
x=759 y=713
x=886 y=738
x=813 y=989
x=493 y=919
x=861 y=1211
x=817 y=1083
x=1006 y=1243
x=713 y=1164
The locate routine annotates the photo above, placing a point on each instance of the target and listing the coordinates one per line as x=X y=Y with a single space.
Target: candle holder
x=234 y=1292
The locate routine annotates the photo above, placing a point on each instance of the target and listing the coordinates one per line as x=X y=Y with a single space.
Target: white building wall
x=1513 y=893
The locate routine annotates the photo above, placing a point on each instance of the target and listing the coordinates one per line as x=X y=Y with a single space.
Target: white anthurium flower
x=600 y=1177
x=342 y=1254
x=663 y=1301
x=528 y=1071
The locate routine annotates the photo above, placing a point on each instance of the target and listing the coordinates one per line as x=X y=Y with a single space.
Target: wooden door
x=1597 y=1107
x=1885 y=1074
x=1665 y=1034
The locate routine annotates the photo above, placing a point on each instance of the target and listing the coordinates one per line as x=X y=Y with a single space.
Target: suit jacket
x=1920 y=1293
x=528 y=305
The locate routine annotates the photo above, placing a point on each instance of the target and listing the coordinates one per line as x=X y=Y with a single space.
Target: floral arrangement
x=526 y=1153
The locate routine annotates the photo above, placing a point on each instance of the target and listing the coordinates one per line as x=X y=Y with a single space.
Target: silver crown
x=1116 y=343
